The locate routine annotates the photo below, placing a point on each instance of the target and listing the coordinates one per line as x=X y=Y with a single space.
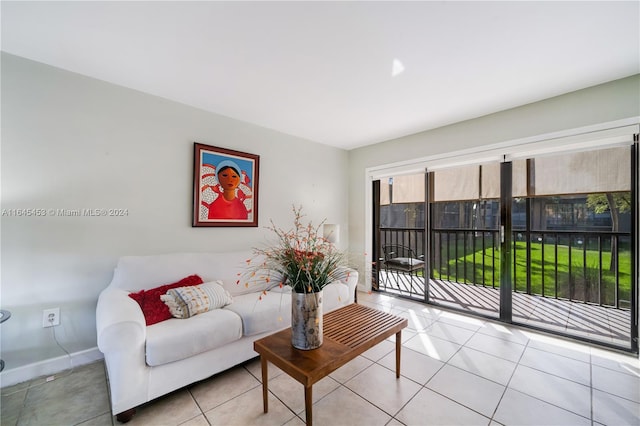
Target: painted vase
x=306 y=320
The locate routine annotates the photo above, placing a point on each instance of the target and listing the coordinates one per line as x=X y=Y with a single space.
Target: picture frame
x=225 y=187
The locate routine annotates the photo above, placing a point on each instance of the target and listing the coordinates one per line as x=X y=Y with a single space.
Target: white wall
x=72 y=142
x=608 y=102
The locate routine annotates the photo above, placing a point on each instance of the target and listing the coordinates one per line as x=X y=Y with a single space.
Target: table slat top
x=348 y=332
x=355 y=324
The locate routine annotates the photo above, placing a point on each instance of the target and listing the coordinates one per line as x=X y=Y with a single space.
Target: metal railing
x=408 y=237
x=584 y=266
x=469 y=256
x=412 y=239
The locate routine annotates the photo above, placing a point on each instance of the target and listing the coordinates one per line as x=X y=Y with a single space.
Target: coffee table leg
x=308 y=402
x=265 y=385
x=398 y=346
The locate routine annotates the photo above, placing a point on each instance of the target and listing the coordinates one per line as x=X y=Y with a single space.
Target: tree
x=615 y=203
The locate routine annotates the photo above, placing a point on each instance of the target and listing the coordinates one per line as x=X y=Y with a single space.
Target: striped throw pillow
x=185 y=302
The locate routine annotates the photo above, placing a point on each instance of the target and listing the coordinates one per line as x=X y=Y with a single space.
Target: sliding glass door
x=573 y=246
x=546 y=241
x=399 y=235
x=465 y=239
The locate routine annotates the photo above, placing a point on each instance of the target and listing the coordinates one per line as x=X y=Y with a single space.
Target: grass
x=580 y=278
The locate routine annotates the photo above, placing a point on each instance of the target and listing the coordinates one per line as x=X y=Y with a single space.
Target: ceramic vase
x=306 y=320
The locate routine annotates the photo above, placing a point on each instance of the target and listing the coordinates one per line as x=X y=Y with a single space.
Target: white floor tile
x=381 y=307
x=407 y=304
x=557 y=365
x=482 y=364
x=350 y=408
x=351 y=369
x=223 y=387
x=380 y=386
x=451 y=333
x=496 y=347
x=200 y=420
x=517 y=408
x=472 y=391
x=175 y=408
x=254 y=367
x=560 y=346
x=380 y=350
x=296 y=421
x=464 y=321
x=431 y=408
x=555 y=390
x=291 y=392
x=416 y=322
x=429 y=311
x=413 y=365
x=69 y=399
x=504 y=332
x=623 y=385
x=406 y=334
x=622 y=363
x=436 y=348
x=612 y=410
x=248 y=409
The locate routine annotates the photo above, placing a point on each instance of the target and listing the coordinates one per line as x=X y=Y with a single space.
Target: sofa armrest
x=350 y=278
x=122 y=333
x=119 y=321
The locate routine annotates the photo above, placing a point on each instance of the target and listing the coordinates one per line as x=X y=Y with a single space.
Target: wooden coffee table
x=348 y=332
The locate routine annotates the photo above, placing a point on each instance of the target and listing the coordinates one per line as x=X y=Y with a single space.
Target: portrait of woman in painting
x=226 y=186
x=229 y=204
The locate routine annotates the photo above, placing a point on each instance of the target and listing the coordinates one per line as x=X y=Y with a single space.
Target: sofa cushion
x=153 y=308
x=260 y=312
x=271 y=310
x=335 y=295
x=177 y=339
x=185 y=302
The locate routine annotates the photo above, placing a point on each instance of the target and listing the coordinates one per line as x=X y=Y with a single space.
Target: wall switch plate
x=50 y=317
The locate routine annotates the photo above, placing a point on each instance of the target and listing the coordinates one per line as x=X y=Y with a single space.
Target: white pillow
x=185 y=302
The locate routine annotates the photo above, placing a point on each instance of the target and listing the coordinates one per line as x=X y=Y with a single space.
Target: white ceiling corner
x=346 y=74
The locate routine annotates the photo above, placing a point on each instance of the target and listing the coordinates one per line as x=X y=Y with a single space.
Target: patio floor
x=597 y=323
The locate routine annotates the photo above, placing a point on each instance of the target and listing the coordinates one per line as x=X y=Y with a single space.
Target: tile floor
x=456 y=370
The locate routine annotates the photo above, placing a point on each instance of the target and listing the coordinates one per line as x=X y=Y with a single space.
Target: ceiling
x=345 y=74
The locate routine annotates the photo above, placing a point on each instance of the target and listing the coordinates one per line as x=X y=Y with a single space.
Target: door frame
x=605 y=134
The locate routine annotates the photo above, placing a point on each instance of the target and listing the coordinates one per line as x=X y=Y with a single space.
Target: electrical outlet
x=50 y=317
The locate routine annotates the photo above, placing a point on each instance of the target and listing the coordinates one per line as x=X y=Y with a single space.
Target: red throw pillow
x=153 y=308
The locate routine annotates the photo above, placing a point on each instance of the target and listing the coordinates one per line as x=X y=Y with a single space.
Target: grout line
x=189 y=389
x=513 y=373
x=591 y=385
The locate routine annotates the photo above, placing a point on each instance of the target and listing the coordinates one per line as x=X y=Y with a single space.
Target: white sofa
x=145 y=362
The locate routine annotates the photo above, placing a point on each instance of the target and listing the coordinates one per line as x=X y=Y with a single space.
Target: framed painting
x=225 y=187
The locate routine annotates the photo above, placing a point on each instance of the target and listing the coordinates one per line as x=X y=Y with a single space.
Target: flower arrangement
x=302 y=259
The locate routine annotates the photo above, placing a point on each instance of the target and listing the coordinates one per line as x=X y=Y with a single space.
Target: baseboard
x=48 y=367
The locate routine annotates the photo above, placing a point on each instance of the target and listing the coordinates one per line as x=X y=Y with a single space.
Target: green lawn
x=580 y=282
